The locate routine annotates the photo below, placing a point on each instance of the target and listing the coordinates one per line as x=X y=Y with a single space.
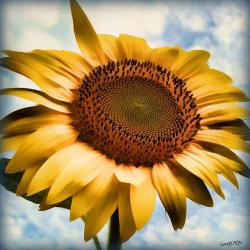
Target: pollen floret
x=135 y=112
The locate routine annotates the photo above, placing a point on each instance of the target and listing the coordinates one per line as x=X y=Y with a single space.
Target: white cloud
x=226 y=40
x=32 y=13
x=13 y=228
x=204 y=228
x=26 y=227
x=42 y=15
x=229 y=224
x=190 y=18
x=31 y=38
x=229 y=21
x=27 y=25
x=195 y=23
x=11 y=79
x=137 y=18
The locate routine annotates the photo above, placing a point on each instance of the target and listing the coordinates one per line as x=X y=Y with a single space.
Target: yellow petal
x=164 y=56
x=25 y=113
x=213 y=94
x=190 y=63
x=29 y=119
x=238 y=127
x=43 y=206
x=50 y=87
x=87 y=197
x=40 y=145
x=46 y=65
x=217 y=119
x=86 y=37
x=135 y=47
x=130 y=174
x=51 y=168
x=223 y=138
x=101 y=212
x=12 y=143
x=210 y=77
x=37 y=97
x=194 y=187
x=228 y=158
x=223 y=169
x=126 y=221
x=142 y=200
x=229 y=164
x=80 y=170
x=197 y=165
x=171 y=194
x=26 y=179
x=222 y=112
x=69 y=61
x=222 y=98
x=112 y=47
x=214 y=163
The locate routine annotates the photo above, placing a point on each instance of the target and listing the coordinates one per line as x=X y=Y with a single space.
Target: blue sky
x=217 y=26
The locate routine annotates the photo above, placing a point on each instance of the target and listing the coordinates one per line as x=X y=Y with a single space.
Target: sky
x=217 y=26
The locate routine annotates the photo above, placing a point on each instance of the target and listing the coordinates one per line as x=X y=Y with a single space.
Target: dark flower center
x=134 y=112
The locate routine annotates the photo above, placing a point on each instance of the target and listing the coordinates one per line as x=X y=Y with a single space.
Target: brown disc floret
x=135 y=112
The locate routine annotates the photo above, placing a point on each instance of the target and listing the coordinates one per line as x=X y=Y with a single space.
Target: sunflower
x=121 y=122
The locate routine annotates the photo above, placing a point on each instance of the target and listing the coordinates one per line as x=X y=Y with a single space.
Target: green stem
x=114 y=241
x=97 y=243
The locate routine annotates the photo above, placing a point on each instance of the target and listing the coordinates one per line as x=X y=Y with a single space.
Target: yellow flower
x=121 y=122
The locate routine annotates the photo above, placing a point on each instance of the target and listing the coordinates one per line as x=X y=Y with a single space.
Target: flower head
x=121 y=122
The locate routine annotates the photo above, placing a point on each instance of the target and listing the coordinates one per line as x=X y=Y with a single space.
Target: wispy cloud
x=205 y=227
x=28 y=228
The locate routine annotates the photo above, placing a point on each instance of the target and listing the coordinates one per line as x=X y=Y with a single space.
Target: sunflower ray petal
x=226 y=157
x=38 y=97
x=101 y=212
x=171 y=194
x=86 y=198
x=112 y=47
x=165 y=56
x=50 y=87
x=86 y=36
x=193 y=163
x=40 y=145
x=51 y=168
x=193 y=186
x=12 y=143
x=130 y=174
x=78 y=172
x=26 y=179
x=223 y=138
x=135 y=47
x=190 y=63
x=126 y=220
x=142 y=199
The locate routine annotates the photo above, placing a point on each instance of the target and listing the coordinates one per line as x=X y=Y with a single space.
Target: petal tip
x=50 y=200
x=20 y=191
x=11 y=169
x=73 y=216
x=87 y=237
x=73 y=2
x=30 y=192
x=33 y=189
